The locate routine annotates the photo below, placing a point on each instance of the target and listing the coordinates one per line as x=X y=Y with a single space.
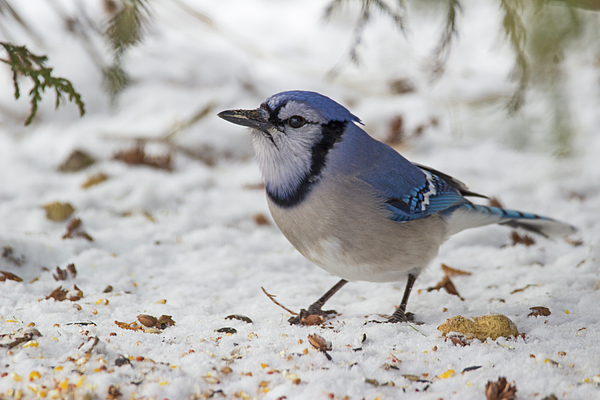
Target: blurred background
x=519 y=73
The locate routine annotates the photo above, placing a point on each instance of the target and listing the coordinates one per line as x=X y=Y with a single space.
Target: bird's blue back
x=409 y=192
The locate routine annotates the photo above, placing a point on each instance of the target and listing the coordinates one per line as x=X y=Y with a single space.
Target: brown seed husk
x=57 y=211
x=483 y=327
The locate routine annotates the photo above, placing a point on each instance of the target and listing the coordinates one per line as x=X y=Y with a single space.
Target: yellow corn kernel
x=34 y=375
x=64 y=385
x=16 y=377
x=447 y=374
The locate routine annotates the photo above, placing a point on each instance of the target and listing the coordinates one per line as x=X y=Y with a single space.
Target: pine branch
x=514 y=28
x=124 y=30
x=363 y=20
x=442 y=51
x=23 y=62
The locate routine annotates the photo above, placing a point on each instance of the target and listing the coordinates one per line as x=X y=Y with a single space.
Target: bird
x=353 y=205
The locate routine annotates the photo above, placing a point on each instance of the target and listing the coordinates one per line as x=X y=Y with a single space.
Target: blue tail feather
x=464 y=216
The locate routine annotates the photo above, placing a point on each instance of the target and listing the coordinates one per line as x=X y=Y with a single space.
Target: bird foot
x=401 y=317
x=395 y=318
x=314 y=315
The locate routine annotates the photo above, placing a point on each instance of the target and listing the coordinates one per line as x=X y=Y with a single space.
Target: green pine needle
x=23 y=62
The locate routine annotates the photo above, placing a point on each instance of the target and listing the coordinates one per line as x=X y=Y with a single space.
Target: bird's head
x=292 y=134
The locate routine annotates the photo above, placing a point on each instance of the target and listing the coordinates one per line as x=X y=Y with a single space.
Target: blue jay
x=353 y=205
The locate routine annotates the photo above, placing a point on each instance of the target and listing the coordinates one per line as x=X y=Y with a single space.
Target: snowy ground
x=186 y=243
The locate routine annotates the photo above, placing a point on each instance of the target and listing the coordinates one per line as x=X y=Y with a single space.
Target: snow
x=189 y=236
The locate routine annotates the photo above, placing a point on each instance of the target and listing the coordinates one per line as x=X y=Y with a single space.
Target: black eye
x=296 y=121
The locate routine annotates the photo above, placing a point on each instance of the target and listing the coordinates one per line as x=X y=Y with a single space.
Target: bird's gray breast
x=344 y=227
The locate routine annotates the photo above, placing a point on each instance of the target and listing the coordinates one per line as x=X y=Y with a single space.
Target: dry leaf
x=72 y=270
x=61 y=274
x=396 y=132
x=260 y=219
x=500 y=390
x=7 y=253
x=457 y=340
x=539 y=311
x=226 y=329
x=74 y=229
x=94 y=180
x=239 y=318
x=57 y=211
x=449 y=271
x=523 y=288
x=402 y=86
x=137 y=156
x=524 y=239
x=447 y=284
x=5 y=275
x=60 y=294
x=76 y=161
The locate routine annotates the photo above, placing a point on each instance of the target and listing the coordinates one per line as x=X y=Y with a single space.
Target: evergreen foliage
x=23 y=62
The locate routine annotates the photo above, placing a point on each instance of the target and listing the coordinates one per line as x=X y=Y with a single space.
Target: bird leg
x=315 y=308
x=400 y=315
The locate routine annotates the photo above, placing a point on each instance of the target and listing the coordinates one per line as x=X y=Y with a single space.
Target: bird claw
x=404 y=317
x=395 y=318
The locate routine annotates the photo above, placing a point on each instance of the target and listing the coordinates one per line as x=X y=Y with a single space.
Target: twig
x=272 y=297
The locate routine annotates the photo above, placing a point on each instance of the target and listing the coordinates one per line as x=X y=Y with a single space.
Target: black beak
x=251 y=118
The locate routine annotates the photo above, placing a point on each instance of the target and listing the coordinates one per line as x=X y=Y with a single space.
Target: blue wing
x=434 y=194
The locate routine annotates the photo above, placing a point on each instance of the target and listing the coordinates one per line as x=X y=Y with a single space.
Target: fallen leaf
x=60 y=294
x=449 y=271
x=523 y=288
x=61 y=274
x=239 y=318
x=7 y=253
x=447 y=284
x=226 y=329
x=539 y=311
x=137 y=156
x=74 y=229
x=76 y=161
x=57 y=211
x=260 y=219
x=5 y=275
x=94 y=180
x=524 y=239
x=396 y=131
